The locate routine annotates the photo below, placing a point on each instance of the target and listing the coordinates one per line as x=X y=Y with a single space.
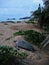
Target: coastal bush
x=30 y=22
x=23 y=54
x=6 y=53
x=10 y=56
x=32 y=36
x=18 y=33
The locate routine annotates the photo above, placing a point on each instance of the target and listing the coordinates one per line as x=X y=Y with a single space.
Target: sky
x=17 y=8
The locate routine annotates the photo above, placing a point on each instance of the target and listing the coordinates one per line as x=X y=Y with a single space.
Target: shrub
x=10 y=56
x=23 y=54
x=18 y=33
x=31 y=36
x=6 y=53
x=34 y=37
x=30 y=22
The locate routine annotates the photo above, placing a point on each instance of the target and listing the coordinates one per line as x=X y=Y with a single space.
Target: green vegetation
x=9 y=55
x=42 y=15
x=34 y=37
x=31 y=36
x=22 y=55
x=36 y=15
x=6 y=53
x=6 y=50
x=30 y=22
x=18 y=33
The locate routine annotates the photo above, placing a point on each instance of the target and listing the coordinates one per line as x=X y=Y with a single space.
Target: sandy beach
x=10 y=28
x=6 y=31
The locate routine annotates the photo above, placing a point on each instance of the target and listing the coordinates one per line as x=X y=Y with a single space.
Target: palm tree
x=42 y=14
x=46 y=9
x=46 y=2
x=37 y=15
